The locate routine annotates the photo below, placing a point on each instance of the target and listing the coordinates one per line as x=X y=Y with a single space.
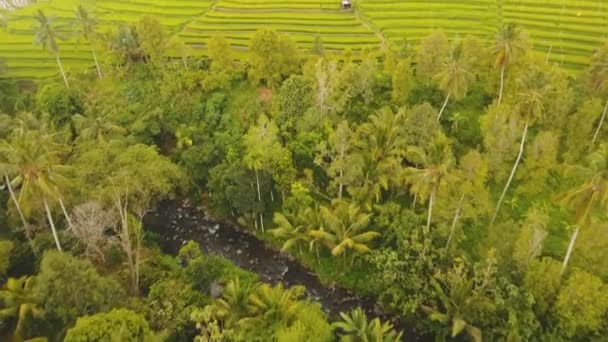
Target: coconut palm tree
x=18 y=303
x=432 y=167
x=291 y=229
x=87 y=25
x=454 y=77
x=589 y=195
x=511 y=43
x=234 y=303
x=531 y=108
x=46 y=36
x=355 y=327
x=35 y=159
x=96 y=127
x=598 y=77
x=380 y=144
x=454 y=307
x=346 y=225
x=274 y=304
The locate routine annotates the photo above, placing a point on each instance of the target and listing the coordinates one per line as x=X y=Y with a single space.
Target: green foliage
x=220 y=53
x=118 y=324
x=20 y=305
x=582 y=304
x=6 y=248
x=156 y=268
x=355 y=327
x=542 y=279
x=152 y=38
x=433 y=52
x=272 y=57
x=69 y=288
x=61 y=103
x=169 y=305
x=293 y=99
x=402 y=82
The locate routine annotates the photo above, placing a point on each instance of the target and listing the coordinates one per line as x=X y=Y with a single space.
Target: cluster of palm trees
x=20 y=304
x=31 y=163
x=47 y=35
x=246 y=307
x=340 y=229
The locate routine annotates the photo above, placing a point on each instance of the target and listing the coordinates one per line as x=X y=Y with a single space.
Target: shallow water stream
x=178 y=222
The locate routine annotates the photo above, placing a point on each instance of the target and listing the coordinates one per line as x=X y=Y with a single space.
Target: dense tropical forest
x=460 y=185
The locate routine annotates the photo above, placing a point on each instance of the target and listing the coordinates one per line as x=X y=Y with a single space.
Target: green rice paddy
x=567 y=31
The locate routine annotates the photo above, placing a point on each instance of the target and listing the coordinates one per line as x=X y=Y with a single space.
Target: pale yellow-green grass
x=565 y=31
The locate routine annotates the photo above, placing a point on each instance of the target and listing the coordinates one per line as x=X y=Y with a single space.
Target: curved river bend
x=177 y=222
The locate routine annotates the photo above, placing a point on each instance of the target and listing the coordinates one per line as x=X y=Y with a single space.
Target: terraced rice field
x=568 y=31
x=238 y=20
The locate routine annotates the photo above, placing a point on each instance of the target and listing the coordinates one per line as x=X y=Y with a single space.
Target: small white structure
x=346 y=4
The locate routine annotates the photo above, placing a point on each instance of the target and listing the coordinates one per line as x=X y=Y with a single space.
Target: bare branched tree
x=92 y=226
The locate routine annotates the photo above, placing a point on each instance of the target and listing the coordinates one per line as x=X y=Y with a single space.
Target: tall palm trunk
x=16 y=203
x=599 y=125
x=445 y=104
x=504 y=191
x=65 y=79
x=96 y=64
x=50 y=218
x=430 y=216
x=570 y=248
x=455 y=220
x=65 y=213
x=502 y=83
x=257 y=180
x=341 y=186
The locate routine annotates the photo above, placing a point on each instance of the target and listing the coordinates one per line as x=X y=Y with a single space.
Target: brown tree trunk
x=599 y=125
x=504 y=191
x=52 y=224
x=445 y=104
x=570 y=248
x=502 y=83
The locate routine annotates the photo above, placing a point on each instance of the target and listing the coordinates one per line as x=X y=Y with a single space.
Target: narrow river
x=177 y=222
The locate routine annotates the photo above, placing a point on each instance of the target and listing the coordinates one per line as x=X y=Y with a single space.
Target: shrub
x=70 y=288
x=117 y=325
x=169 y=306
x=582 y=304
x=59 y=102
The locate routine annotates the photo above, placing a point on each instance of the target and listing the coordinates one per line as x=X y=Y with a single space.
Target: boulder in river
x=215 y=289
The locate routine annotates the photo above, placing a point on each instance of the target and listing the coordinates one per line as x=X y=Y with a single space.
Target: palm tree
x=355 y=327
x=46 y=36
x=19 y=304
x=96 y=127
x=511 y=42
x=346 y=225
x=432 y=168
x=455 y=305
x=274 y=304
x=598 y=76
x=292 y=229
x=531 y=109
x=589 y=195
x=234 y=303
x=379 y=146
x=87 y=31
x=454 y=77
x=35 y=159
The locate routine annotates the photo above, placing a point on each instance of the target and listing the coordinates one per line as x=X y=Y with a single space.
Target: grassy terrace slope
x=569 y=29
x=24 y=59
x=238 y=20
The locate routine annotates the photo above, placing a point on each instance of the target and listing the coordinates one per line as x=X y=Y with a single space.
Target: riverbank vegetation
x=463 y=185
